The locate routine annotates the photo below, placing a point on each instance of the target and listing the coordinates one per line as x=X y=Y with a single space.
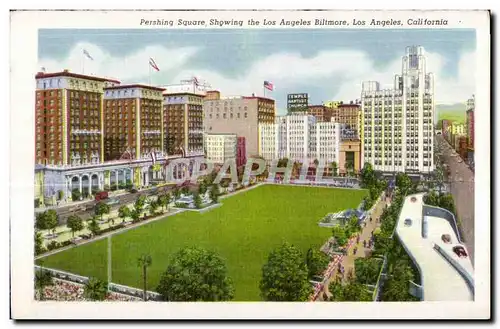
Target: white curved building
x=431 y=238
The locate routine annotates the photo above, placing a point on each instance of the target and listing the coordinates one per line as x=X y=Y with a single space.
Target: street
x=461 y=182
x=65 y=211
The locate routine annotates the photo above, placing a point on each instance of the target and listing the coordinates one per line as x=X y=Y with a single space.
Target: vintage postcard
x=250 y=159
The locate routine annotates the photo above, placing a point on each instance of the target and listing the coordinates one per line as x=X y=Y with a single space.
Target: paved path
x=348 y=260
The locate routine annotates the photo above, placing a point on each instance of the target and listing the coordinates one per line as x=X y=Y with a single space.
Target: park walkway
x=365 y=234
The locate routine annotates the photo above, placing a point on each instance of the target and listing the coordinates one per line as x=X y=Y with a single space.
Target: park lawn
x=243 y=231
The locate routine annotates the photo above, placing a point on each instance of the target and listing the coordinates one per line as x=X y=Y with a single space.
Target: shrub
x=53 y=245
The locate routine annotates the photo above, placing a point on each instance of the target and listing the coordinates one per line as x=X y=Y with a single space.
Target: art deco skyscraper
x=397 y=124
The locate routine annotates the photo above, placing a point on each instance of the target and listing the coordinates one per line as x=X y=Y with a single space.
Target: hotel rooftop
x=431 y=238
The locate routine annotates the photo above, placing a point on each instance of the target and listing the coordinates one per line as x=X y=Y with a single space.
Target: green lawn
x=244 y=230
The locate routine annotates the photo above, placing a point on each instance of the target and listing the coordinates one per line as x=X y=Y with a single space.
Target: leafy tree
x=74 y=223
x=338 y=232
x=95 y=289
x=153 y=206
x=403 y=183
x=139 y=204
x=144 y=262
x=381 y=243
x=285 y=276
x=39 y=248
x=41 y=221
x=367 y=176
x=164 y=200
x=446 y=202
x=374 y=193
x=135 y=215
x=123 y=212
x=197 y=201
x=101 y=209
x=202 y=188
x=51 y=220
x=316 y=162
x=93 y=226
x=75 y=194
x=349 y=166
x=367 y=270
x=185 y=190
x=42 y=279
x=176 y=192
x=196 y=274
x=356 y=292
x=316 y=262
x=214 y=193
x=431 y=198
x=335 y=169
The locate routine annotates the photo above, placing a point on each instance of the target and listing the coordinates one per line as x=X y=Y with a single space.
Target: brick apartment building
x=322 y=113
x=183 y=122
x=69 y=118
x=349 y=115
x=132 y=121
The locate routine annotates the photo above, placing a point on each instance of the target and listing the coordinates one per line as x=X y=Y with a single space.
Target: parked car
x=101 y=196
x=112 y=201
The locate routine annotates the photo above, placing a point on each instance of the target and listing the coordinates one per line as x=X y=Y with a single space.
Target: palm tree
x=144 y=261
x=335 y=168
x=95 y=289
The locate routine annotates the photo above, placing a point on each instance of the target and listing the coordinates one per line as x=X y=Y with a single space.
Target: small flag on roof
x=153 y=64
x=87 y=54
x=268 y=85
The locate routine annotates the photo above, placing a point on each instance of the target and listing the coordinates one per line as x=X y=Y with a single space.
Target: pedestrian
x=364 y=243
x=371 y=218
x=357 y=239
x=355 y=250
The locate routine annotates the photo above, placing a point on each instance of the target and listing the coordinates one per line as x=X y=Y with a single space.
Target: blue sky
x=326 y=63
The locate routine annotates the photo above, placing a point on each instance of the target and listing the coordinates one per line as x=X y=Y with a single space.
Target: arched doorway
x=74 y=188
x=94 y=180
x=86 y=186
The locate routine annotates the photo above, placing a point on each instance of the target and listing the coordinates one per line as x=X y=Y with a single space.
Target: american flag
x=86 y=53
x=196 y=82
x=153 y=64
x=268 y=85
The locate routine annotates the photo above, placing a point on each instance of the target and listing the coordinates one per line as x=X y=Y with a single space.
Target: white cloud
x=134 y=67
x=343 y=70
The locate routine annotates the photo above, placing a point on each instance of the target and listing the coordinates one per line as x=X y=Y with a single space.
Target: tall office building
x=69 y=118
x=183 y=122
x=397 y=130
x=240 y=115
x=301 y=138
x=132 y=121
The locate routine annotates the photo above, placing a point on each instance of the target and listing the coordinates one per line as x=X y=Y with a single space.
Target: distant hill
x=452 y=112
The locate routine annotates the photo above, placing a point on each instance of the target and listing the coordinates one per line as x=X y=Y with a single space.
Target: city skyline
x=331 y=65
